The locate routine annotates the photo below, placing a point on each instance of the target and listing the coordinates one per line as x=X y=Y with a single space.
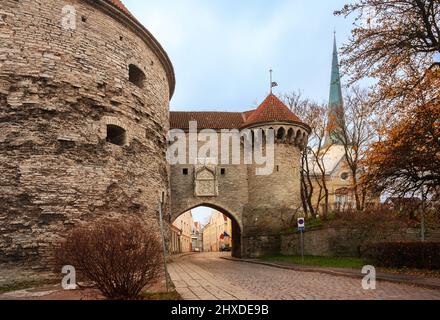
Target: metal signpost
x=301 y=229
x=161 y=202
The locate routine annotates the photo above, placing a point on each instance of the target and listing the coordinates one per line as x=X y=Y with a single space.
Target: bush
x=420 y=255
x=121 y=257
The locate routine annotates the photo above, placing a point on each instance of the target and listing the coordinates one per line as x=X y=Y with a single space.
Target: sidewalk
x=431 y=283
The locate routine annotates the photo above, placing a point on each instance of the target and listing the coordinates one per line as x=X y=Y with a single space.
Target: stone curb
x=171 y=258
x=420 y=282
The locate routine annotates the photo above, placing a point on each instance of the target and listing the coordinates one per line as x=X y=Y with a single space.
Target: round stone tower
x=274 y=196
x=84 y=112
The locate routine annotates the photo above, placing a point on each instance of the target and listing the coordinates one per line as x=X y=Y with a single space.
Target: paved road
x=207 y=277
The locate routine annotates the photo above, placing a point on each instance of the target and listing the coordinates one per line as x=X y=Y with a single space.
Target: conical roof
x=271 y=110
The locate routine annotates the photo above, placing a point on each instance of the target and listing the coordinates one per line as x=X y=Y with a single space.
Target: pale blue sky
x=222 y=50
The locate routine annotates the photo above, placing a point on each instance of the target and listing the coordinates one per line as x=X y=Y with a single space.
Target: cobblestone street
x=208 y=277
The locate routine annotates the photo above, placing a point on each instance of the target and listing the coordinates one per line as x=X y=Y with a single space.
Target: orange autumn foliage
x=407 y=161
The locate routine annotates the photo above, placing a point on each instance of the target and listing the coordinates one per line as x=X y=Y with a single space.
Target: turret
x=274 y=199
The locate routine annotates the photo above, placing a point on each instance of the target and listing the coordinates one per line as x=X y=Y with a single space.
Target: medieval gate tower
x=84 y=116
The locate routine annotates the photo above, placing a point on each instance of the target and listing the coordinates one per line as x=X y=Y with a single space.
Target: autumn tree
x=407 y=161
x=396 y=42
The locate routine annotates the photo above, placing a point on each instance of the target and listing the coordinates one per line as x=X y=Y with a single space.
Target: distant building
x=174 y=245
x=197 y=237
x=184 y=224
x=217 y=233
x=338 y=179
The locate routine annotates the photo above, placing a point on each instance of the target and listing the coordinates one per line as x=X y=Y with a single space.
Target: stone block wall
x=330 y=241
x=58 y=92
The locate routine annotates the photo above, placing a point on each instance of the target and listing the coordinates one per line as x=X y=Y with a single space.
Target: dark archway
x=236 y=227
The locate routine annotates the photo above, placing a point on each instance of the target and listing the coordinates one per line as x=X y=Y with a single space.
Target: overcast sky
x=222 y=50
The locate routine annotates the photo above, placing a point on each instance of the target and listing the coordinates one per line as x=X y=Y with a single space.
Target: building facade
x=217 y=234
x=197 y=237
x=185 y=224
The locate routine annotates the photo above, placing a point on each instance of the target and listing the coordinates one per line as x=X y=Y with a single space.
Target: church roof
x=330 y=158
x=336 y=102
x=335 y=99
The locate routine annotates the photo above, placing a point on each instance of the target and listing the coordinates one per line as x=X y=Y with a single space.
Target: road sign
x=301 y=224
x=301 y=229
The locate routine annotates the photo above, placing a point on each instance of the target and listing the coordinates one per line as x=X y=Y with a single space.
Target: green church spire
x=336 y=101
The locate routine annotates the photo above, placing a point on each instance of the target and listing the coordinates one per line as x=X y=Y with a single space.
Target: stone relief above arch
x=205 y=181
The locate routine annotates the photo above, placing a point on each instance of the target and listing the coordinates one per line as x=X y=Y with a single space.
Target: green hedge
x=420 y=255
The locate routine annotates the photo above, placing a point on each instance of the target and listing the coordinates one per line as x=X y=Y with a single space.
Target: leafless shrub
x=121 y=257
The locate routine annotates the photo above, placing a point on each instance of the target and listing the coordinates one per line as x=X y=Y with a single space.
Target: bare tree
x=301 y=107
x=317 y=153
x=356 y=133
x=313 y=173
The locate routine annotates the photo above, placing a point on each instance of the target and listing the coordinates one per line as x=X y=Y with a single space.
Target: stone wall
x=58 y=92
x=339 y=241
x=261 y=206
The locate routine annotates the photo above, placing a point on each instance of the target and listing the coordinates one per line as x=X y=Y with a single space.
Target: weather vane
x=273 y=84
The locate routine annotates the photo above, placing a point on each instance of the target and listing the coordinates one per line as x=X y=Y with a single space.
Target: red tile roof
x=207 y=120
x=121 y=6
x=271 y=110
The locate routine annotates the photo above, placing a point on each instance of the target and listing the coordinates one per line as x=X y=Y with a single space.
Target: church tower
x=336 y=119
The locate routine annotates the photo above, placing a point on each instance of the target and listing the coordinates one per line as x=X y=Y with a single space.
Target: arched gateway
x=78 y=145
x=261 y=203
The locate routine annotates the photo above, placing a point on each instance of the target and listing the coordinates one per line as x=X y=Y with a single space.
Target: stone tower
x=84 y=112
x=274 y=199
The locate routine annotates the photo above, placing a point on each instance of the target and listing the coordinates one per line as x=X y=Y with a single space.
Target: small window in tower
x=136 y=76
x=278 y=168
x=185 y=172
x=116 y=135
x=222 y=171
